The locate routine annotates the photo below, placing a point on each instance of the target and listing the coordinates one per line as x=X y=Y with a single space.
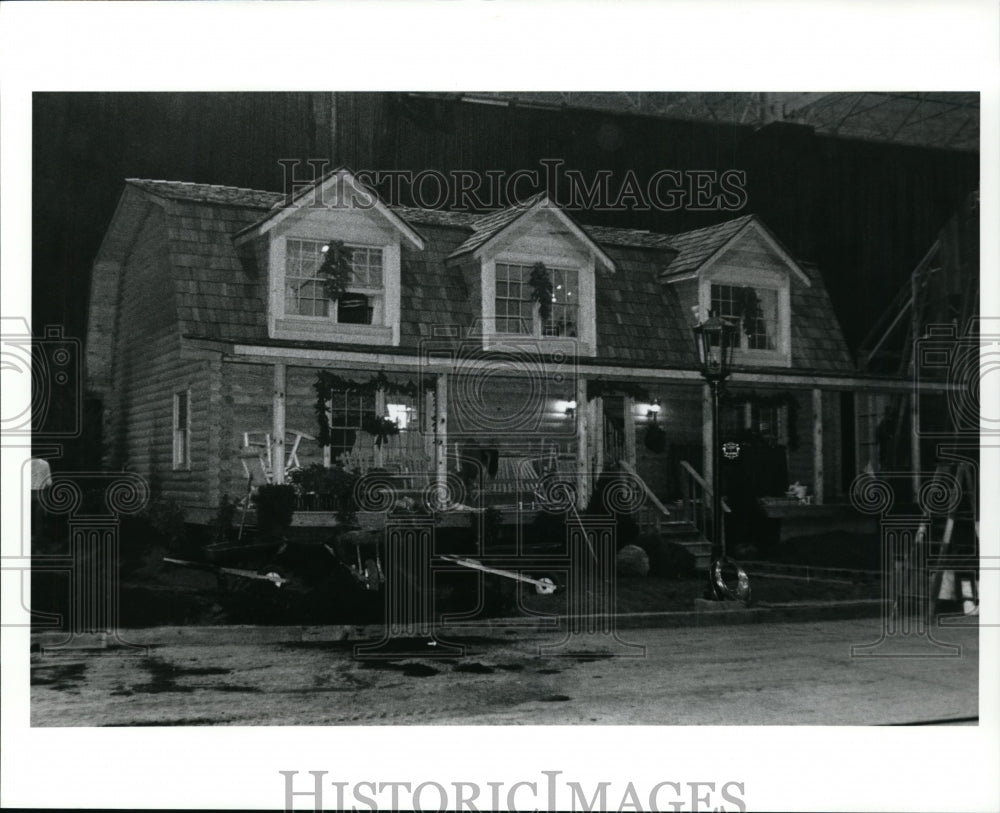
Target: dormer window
x=756 y=311
x=517 y=308
x=362 y=304
x=739 y=271
x=525 y=255
x=291 y=241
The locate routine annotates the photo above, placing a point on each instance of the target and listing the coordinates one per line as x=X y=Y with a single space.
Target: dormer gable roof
x=328 y=193
x=489 y=230
x=698 y=249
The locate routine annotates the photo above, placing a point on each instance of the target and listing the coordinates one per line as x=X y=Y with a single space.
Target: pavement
x=828 y=672
x=705 y=614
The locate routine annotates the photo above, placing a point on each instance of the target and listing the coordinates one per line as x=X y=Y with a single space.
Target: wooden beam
x=278 y=424
x=427 y=424
x=706 y=433
x=628 y=408
x=582 y=480
x=364 y=362
x=915 y=444
x=378 y=455
x=441 y=432
x=597 y=422
x=817 y=408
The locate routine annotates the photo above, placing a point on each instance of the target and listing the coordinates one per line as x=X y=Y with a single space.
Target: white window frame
x=376 y=294
x=181 y=435
x=585 y=268
x=758 y=279
x=537 y=323
x=385 y=321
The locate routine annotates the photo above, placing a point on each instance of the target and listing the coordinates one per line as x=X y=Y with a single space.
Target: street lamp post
x=714 y=344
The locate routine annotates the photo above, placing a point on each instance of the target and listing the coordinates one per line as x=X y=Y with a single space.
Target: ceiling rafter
x=930 y=119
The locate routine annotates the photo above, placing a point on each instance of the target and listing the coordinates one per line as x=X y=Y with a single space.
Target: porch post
x=817 y=408
x=628 y=406
x=441 y=432
x=858 y=400
x=427 y=427
x=582 y=462
x=378 y=454
x=707 y=441
x=278 y=424
x=598 y=424
x=915 y=444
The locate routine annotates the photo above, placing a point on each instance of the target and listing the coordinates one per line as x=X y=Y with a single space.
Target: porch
x=512 y=443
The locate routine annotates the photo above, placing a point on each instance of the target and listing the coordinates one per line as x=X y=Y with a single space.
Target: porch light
x=714 y=341
x=654 y=410
x=714 y=345
x=570 y=409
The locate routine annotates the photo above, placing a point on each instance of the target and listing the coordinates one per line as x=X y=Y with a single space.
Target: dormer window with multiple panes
x=360 y=303
x=305 y=294
x=519 y=312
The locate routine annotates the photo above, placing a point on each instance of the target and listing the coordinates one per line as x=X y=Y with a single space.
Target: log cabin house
x=219 y=356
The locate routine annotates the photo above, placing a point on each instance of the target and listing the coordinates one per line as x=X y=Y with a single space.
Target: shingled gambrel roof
x=486 y=227
x=697 y=246
x=216 y=297
x=209 y=193
x=817 y=339
x=491 y=226
x=433 y=291
x=640 y=320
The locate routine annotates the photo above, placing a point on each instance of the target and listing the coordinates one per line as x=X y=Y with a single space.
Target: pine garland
x=541 y=289
x=337 y=269
x=597 y=387
x=328 y=383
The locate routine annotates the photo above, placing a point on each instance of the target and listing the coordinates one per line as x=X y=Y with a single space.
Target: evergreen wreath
x=541 y=289
x=381 y=427
x=337 y=269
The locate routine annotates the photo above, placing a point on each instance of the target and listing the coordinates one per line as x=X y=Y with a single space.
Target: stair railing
x=655 y=511
x=698 y=502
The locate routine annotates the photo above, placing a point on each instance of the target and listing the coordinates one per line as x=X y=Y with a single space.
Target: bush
x=632 y=561
x=325 y=488
x=275 y=507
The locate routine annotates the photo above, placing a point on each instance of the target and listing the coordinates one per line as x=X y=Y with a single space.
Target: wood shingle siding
x=246 y=404
x=147 y=370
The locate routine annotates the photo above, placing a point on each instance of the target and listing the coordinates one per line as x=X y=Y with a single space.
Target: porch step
x=688 y=536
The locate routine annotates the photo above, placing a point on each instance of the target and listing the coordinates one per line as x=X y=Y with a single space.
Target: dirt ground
x=155 y=593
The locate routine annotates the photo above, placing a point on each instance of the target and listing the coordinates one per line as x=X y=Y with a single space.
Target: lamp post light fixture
x=714 y=344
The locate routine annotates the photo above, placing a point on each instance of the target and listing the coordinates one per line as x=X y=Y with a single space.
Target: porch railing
x=653 y=512
x=697 y=502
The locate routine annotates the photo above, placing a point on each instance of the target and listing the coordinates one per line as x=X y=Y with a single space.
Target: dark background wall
x=864 y=212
